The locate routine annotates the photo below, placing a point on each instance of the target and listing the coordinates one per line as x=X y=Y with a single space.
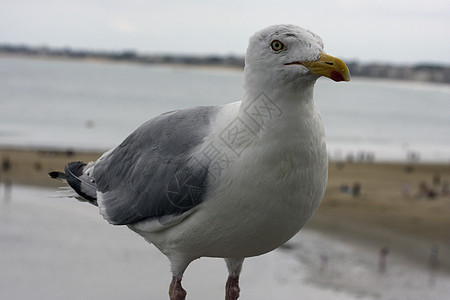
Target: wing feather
x=151 y=174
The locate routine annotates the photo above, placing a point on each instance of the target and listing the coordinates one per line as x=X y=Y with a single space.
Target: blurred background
x=76 y=77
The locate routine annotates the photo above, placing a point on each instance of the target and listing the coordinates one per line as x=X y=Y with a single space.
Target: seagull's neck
x=269 y=100
x=286 y=92
x=288 y=97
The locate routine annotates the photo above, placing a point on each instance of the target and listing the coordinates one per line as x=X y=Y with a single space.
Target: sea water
x=95 y=105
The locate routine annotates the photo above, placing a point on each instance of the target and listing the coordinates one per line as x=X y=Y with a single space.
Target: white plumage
x=260 y=164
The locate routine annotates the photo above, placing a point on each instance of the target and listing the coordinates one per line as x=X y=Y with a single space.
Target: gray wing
x=151 y=173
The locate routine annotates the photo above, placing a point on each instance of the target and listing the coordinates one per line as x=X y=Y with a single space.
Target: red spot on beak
x=336 y=76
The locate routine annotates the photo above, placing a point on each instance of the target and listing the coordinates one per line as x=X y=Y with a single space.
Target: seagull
x=231 y=181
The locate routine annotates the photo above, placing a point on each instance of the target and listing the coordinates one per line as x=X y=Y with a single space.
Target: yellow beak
x=328 y=66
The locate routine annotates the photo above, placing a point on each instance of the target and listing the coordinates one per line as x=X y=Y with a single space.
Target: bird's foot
x=232 y=289
x=176 y=291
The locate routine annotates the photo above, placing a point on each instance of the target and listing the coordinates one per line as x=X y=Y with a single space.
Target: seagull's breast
x=264 y=186
x=274 y=188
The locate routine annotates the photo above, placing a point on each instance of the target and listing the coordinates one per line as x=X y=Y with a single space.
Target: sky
x=391 y=31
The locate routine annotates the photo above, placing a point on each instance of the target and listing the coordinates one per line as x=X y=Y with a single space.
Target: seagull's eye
x=276 y=45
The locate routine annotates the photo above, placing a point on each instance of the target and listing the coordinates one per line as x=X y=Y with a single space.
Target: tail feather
x=58 y=175
x=78 y=176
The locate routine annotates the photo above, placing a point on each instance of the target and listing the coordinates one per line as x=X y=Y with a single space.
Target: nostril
x=329 y=63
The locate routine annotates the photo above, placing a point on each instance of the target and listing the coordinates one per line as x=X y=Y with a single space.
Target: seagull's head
x=292 y=54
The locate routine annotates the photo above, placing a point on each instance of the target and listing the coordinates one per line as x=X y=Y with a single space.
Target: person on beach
x=7 y=184
x=6 y=164
x=383 y=259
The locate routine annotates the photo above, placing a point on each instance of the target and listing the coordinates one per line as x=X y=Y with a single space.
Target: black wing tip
x=57 y=175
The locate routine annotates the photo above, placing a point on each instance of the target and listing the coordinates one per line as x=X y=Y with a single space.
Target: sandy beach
x=392 y=196
x=399 y=208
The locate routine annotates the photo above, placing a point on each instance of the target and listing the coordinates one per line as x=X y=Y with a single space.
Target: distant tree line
x=418 y=72
x=126 y=55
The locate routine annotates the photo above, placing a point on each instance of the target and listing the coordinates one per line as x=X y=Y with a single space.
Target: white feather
x=276 y=173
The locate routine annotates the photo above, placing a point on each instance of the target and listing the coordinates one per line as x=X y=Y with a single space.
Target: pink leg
x=176 y=291
x=232 y=288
